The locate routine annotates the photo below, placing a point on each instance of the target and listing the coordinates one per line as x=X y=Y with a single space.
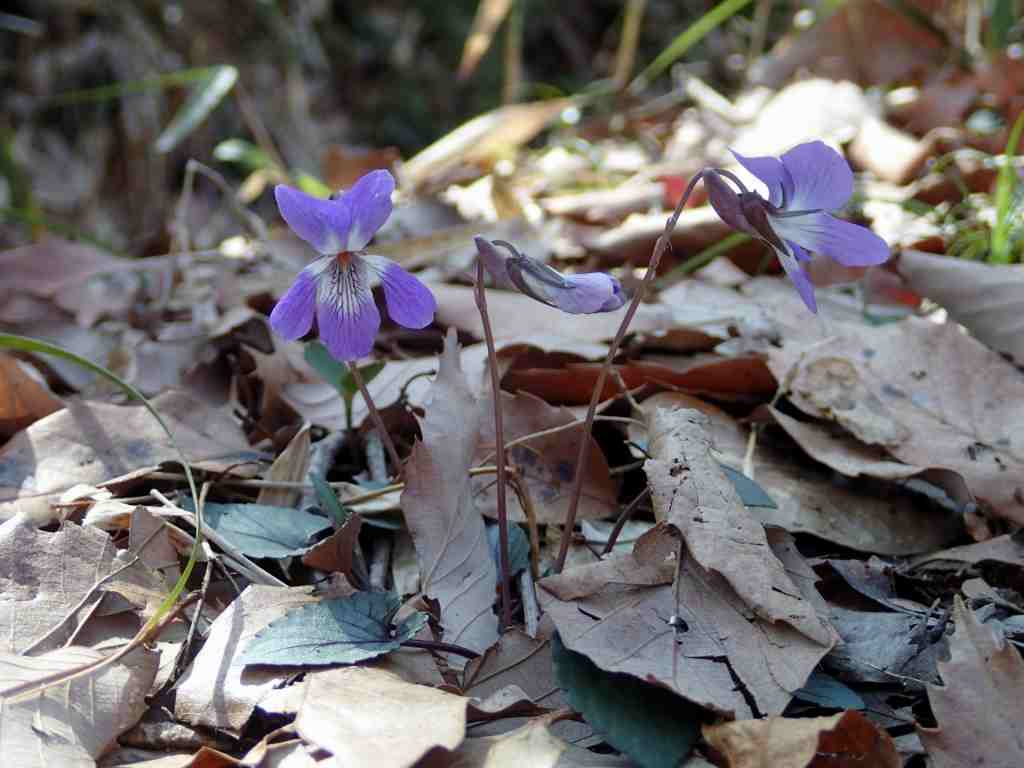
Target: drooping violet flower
x=803 y=185
x=575 y=294
x=337 y=287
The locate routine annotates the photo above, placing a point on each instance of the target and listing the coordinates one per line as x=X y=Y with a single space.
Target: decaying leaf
x=988 y=299
x=690 y=491
x=369 y=718
x=74 y=723
x=448 y=532
x=845 y=740
x=546 y=464
x=979 y=707
x=95 y=442
x=291 y=466
x=931 y=395
x=23 y=400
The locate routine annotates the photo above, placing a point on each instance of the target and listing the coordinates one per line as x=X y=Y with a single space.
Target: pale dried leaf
x=930 y=394
x=844 y=740
x=95 y=442
x=449 y=534
x=369 y=718
x=547 y=464
x=979 y=707
x=988 y=299
x=290 y=466
x=74 y=723
x=690 y=491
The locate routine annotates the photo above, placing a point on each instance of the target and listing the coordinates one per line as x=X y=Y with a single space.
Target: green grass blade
x=202 y=100
x=687 y=39
x=999 y=250
x=702 y=259
x=26 y=344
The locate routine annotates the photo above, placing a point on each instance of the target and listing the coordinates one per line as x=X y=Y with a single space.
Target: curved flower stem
x=479 y=293
x=377 y=420
x=664 y=241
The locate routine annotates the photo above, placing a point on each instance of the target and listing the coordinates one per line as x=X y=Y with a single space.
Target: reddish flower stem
x=479 y=293
x=664 y=241
x=378 y=422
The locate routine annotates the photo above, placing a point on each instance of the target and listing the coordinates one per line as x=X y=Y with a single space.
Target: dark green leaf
x=651 y=725
x=752 y=494
x=337 y=631
x=329 y=500
x=825 y=691
x=258 y=530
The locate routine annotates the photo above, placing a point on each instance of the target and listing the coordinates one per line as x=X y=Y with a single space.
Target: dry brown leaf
x=547 y=465
x=889 y=153
x=448 y=532
x=928 y=393
x=690 y=491
x=369 y=718
x=213 y=691
x=719 y=662
x=844 y=740
x=290 y=466
x=809 y=500
x=988 y=299
x=1007 y=549
x=95 y=442
x=23 y=399
x=44 y=576
x=71 y=724
x=336 y=553
x=979 y=707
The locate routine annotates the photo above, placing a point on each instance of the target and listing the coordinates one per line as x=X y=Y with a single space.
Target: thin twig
x=664 y=241
x=432 y=645
x=377 y=420
x=479 y=294
x=623 y=517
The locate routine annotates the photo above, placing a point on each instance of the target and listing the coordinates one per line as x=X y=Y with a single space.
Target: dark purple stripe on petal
x=293 y=314
x=370 y=202
x=822 y=179
x=324 y=224
x=348 y=328
x=410 y=303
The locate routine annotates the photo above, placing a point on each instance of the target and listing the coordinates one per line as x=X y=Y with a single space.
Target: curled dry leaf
x=929 y=394
x=96 y=442
x=74 y=723
x=546 y=464
x=988 y=299
x=448 y=532
x=844 y=740
x=369 y=718
x=690 y=491
x=979 y=707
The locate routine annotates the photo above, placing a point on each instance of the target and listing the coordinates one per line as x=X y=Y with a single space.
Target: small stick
x=621 y=522
x=664 y=241
x=499 y=449
x=377 y=420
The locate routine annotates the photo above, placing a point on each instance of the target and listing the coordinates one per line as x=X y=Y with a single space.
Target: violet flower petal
x=410 y=303
x=324 y=224
x=822 y=179
x=772 y=173
x=348 y=324
x=369 y=199
x=725 y=201
x=849 y=244
x=790 y=262
x=616 y=300
x=585 y=294
x=292 y=316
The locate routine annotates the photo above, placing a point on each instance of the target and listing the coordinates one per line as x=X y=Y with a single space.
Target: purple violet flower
x=803 y=184
x=575 y=294
x=338 y=285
